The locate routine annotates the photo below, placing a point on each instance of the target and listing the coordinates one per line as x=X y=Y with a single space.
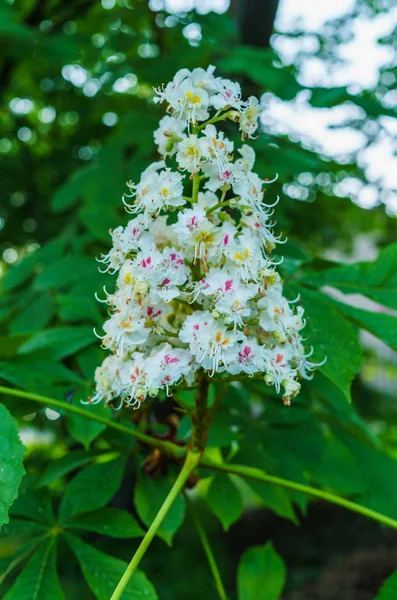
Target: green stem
x=179 y=451
x=208 y=550
x=195 y=190
x=216 y=206
x=192 y=460
x=166 y=447
x=168 y=333
x=258 y=475
x=215 y=119
x=222 y=203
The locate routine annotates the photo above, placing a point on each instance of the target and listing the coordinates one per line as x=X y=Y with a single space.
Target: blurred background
x=77 y=116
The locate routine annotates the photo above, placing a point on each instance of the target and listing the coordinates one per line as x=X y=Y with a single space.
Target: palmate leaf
x=378 y=471
x=19 y=531
x=36 y=312
x=34 y=504
x=107 y=521
x=85 y=430
x=64 y=273
x=255 y=63
x=377 y=279
x=19 y=274
x=382 y=325
x=39 y=579
x=11 y=467
x=92 y=488
x=66 y=464
x=332 y=336
x=10 y=562
x=103 y=572
x=149 y=495
x=261 y=574
x=224 y=499
x=61 y=341
x=277 y=499
x=37 y=373
x=17 y=540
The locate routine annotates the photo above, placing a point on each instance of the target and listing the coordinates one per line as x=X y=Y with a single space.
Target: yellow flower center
x=240 y=256
x=192 y=97
x=192 y=151
x=205 y=237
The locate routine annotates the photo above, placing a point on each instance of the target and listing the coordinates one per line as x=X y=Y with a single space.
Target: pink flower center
x=228 y=285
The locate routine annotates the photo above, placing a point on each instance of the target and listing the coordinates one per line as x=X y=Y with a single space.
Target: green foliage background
x=89 y=494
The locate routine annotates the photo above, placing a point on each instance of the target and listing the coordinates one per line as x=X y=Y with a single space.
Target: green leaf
x=33 y=503
x=70 y=192
x=149 y=495
x=64 y=273
x=103 y=572
x=11 y=462
x=274 y=498
x=225 y=500
x=93 y=487
x=388 y=590
x=62 y=341
x=377 y=279
x=66 y=464
x=38 y=375
x=261 y=574
x=35 y=315
x=88 y=360
x=326 y=97
x=73 y=309
x=19 y=531
x=331 y=336
x=39 y=579
x=257 y=64
x=378 y=470
x=17 y=540
x=382 y=325
x=21 y=272
x=8 y=562
x=27 y=378
x=107 y=521
x=85 y=430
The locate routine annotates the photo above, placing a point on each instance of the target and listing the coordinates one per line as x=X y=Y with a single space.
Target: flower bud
x=140 y=395
x=247 y=211
x=279 y=337
x=233 y=115
x=268 y=379
x=291 y=388
x=233 y=202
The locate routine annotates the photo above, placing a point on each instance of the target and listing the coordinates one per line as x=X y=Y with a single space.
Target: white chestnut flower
x=170 y=132
x=197 y=289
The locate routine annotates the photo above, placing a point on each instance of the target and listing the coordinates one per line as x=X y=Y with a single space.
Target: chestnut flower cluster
x=196 y=285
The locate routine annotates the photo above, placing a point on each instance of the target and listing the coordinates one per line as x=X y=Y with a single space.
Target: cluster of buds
x=197 y=287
